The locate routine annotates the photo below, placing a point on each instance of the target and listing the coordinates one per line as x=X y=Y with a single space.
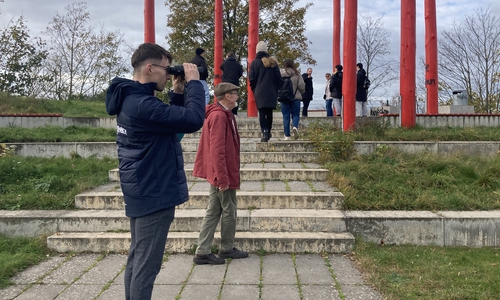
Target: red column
x=149 y=21
x=218 y=42
x=336 y=33
x=431 y=57
x=253 y=40
x=407 y=69
x=349 y=50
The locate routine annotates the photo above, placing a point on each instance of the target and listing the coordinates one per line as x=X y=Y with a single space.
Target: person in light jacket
x=292 y=108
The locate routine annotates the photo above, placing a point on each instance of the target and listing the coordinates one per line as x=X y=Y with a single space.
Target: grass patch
x=69 y=108
x=49 y=183
x=424 y=272
x=52 y=134
x=17 y=254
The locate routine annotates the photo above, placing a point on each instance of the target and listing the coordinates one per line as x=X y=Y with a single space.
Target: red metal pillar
x=431 y=57
x=253 y=40
x=218 y=42
x=407 y=70
x=149 y=21
x=349 y=50
x=336 y=33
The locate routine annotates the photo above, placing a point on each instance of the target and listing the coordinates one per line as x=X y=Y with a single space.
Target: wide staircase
x=284 y=204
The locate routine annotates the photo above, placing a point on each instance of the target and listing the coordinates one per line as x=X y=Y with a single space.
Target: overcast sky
x=127 y=17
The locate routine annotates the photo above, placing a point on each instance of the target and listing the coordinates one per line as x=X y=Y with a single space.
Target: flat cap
x=223 y=88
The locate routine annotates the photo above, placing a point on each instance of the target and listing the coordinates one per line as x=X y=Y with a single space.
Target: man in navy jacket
x=151 y=165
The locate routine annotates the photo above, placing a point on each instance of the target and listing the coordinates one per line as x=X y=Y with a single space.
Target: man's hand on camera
x=191 y=72
x=178 y=84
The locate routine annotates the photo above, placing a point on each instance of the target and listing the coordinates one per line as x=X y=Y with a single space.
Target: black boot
x=269 y=135
x=265 y=136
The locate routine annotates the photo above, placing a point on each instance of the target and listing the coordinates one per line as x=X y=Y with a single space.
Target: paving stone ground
x=269 y=277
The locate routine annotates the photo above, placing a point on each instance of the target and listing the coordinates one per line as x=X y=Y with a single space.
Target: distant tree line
x=77 y=61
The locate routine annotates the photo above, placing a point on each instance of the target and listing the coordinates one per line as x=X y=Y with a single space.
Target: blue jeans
x=207 y=91
x=149 y=236
x=329 y=109
x=292 y=109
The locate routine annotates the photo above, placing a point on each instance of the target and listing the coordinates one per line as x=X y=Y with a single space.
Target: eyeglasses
x=163 y=67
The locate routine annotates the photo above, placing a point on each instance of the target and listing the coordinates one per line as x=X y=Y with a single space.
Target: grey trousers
x=221 y=206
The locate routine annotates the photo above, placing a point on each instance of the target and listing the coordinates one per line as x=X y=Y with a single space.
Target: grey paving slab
x=299 y=186
x=71 y=269
x=321 y=186
x=12 y=291
x=175 y=270
x=360 y=292
x=240 y=292
x=207 y=274
x=312 y=269
x=165 y=292
x=31 y=274
x=344 y=270
x=244 y=271
x=278 y=269
x=275 y=292
x=81 y=292
x=273 y=166
x=200 y=292
x=199 y=186
x=42 y=292
x=251 y=186
x=105 y=271
x=319 y=292
x=114 y=292
x=274 y=186
x=253 y=166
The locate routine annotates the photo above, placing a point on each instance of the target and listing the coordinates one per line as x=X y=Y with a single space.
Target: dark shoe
x=265 y=136
x=269 y=135
x=208 y=259
x=235 y=253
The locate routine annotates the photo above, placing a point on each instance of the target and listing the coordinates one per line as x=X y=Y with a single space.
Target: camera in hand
x=179 y=70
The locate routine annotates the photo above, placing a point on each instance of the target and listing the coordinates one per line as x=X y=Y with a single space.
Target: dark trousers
x=305 y=107
x=266 y=119
x=149 y=236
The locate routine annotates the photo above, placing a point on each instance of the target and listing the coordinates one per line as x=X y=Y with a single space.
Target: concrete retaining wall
x=109 y=149
x=391 y=120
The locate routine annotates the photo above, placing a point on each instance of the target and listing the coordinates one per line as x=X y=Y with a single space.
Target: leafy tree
x=281 y=25
x=20 y=58
x=373 y=52
x=469 y=59
x=81 y=60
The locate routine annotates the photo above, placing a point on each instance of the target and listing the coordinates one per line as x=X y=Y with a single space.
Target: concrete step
x=256 y=174
x=272 y=157
x=246 y=199
x=276 y=242
x=186 y=220
x=251 y=132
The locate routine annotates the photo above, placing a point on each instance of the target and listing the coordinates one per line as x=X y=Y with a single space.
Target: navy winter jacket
x=149 y=152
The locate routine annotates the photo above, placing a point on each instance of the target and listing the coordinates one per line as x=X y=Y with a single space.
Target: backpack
x=367 y=83
x=285 y=91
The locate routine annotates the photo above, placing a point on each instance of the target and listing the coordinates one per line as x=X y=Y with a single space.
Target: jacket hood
x=288 y=72
x=122 y=87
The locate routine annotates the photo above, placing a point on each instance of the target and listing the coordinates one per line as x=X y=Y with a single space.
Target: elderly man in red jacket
x=218 y=161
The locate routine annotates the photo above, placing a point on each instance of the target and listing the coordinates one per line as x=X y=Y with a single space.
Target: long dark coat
x=360 y=80
x=265 y=79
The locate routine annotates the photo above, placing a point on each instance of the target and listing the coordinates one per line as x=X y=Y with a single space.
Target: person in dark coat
x=265 y=79
x=231 y=72
x=361 y=97
x=307 y=96
x=151 y=165
x=199 y=61
x=336 y=89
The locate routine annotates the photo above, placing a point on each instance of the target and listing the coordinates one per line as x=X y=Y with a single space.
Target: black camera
x=179 y=70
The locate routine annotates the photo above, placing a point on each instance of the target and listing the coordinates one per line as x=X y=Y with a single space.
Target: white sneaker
x=287 y=138
x=295 y=133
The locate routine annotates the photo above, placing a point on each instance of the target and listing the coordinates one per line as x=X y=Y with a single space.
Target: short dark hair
x=360 y=65
x=149 y=51
x=230 y=54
